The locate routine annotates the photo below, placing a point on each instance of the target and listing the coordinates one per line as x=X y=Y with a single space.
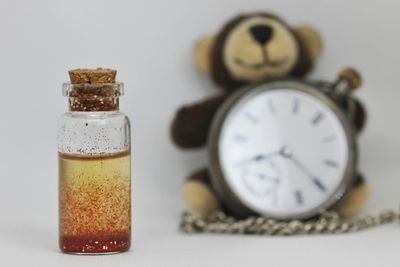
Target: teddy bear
x=249 y=48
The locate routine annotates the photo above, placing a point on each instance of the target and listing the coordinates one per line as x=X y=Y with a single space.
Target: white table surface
x=150 y=43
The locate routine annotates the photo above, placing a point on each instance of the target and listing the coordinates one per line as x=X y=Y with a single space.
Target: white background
x=150 y=43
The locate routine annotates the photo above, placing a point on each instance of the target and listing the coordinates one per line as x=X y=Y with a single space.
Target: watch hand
x=258 y=157
x=301 y=166
x=311 y=176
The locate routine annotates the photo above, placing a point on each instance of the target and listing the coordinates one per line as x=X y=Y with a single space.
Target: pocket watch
x=285 y=149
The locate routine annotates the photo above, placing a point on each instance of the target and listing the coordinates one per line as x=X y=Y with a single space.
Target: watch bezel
x=223 y=190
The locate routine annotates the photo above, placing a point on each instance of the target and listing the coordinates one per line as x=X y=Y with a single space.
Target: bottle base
x=95 y=246
x=93 y=253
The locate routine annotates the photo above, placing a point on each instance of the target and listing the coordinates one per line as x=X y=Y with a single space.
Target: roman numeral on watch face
x=299 y=197
x=296 y=106
x=251 y=117
x=317 y=118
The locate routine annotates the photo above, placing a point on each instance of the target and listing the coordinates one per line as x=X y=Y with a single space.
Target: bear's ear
x=310 y=39
x=202 y=54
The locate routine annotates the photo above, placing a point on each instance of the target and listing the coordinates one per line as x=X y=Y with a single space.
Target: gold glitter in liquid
x=95 y=203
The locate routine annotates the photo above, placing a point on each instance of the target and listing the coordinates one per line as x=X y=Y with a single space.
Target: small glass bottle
x=94 y=168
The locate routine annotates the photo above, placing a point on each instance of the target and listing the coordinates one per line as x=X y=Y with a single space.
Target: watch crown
x=351 y=77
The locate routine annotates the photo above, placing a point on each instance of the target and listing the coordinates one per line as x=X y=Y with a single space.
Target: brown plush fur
x=356 y=111
x=191 y=123
x=360 y=116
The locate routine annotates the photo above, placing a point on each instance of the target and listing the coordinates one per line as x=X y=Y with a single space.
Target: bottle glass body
x=94 y=179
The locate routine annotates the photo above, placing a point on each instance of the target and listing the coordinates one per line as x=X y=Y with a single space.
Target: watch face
x=284 y=153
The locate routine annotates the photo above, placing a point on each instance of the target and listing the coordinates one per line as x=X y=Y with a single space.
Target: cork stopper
x=92 y=76
x=93 y=90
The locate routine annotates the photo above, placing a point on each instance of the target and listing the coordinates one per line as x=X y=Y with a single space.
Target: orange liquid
x=95 y=203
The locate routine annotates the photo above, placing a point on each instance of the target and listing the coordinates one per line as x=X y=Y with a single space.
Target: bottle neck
x=93 y=97
x=95 y=104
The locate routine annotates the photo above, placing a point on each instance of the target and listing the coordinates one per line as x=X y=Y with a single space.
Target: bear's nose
x=261 y=33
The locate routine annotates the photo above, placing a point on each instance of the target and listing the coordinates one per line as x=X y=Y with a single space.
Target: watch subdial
x=262 y=178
